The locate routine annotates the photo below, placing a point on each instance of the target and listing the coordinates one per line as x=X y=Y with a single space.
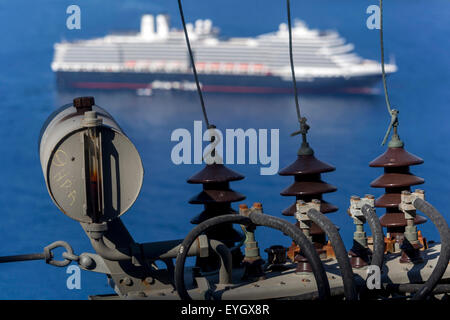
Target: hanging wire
x=291 y=57
x=305 y=149
x=393 y=113
x=194 y=69
x=383 y=72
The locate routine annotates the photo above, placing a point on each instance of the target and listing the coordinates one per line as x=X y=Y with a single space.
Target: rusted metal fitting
x=303 y=207
x=244 y=210
x=356 y=204
x=301 y=211
x=251 y=246
x=407 y=202
x=257 y=206
x=84 y=102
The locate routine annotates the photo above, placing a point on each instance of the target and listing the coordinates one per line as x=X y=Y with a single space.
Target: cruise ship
x=156 y=58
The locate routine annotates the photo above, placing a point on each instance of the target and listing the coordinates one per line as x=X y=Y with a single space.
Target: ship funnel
x=147 y=26
x=203 y=26
x=199 y=26
x=207 y=26
x=162 y=23
x=282 y=29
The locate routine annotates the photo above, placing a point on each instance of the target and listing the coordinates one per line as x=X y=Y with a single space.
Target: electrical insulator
x=396 y=178
x=217 y=197
x=307 y=170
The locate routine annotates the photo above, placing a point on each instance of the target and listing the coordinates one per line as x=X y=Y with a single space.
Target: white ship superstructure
x=323 y=60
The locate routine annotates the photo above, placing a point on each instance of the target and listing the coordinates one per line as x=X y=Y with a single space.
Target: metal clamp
x=407 y=202
x=356 y=204
x=302 y=209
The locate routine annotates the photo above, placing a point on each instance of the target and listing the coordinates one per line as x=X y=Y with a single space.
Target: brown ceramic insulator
x=216 y=197
x=396 y=178
x=307 y=170
x=215 y=173
x=358 y=259
x=302 y=264
x=359 y=255
x=411 y=253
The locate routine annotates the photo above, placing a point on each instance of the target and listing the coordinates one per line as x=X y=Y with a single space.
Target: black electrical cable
x=23 y=257
x=339 y=249
x=194 y=69
x=291 y=58
x=414 y=287
x=444 y=256
x=258 y=219
x=377 y=234
x=383 y=72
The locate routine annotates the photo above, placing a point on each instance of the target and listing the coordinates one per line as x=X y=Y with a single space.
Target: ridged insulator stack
x=396 y=178
x=307 y=170
x=217 y=197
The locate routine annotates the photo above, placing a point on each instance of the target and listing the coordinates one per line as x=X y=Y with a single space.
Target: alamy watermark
x=74 y=280
x=373 y=21
x=373 y=280
x=189 y=148
x=74 y=20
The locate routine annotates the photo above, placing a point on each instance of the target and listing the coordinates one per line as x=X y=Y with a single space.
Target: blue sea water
x=346 y=131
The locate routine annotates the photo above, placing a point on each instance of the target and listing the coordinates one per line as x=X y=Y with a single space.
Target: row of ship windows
x=200 y=55
x=278 y=62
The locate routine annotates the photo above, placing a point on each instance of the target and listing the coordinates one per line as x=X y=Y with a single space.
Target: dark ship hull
x=210 y=82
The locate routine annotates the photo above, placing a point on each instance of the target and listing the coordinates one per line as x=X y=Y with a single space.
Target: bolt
x=84 y=102
x=243 y=209
x=149 y=280
x=126 y=281
x=257 y=205
x=86 y=262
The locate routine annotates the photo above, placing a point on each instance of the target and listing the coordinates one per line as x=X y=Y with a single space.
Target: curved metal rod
x=258 y=219
x=109 y=253
x=444 y=233
x=341 y=253
x=377 y=233
x=160 y=250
